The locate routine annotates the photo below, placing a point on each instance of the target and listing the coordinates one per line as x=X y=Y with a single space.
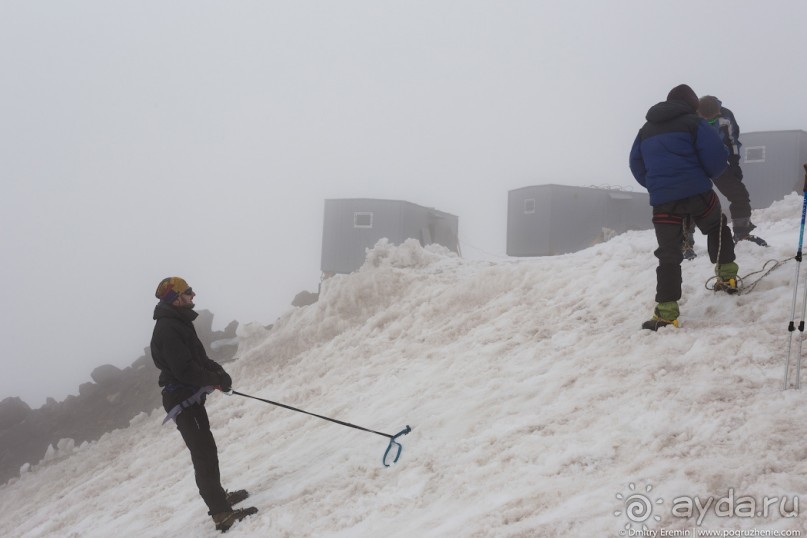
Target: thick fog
x=200 y=139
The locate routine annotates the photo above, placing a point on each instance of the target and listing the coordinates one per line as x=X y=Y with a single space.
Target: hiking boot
x=664 y=314
x=235 y=497
x=742 y=229
x=726 y=278
x=655 y=324
x=728 y=285
x=754 y=239
x=225 y=520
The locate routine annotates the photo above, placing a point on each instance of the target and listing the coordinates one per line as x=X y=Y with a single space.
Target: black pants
x=194 y=426
x=668 y=220
x=735 y=192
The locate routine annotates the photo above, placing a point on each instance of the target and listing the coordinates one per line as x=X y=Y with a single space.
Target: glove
x=734 y=166
x=225 y=382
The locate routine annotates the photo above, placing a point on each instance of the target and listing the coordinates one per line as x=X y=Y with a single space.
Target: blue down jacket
x=676 y=153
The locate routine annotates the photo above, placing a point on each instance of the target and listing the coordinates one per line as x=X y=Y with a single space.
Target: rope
x=776 y=265
x=741 y=287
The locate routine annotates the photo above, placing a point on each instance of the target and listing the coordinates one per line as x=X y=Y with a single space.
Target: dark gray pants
x=194 y=426
x=735 y=192
x=668 y=221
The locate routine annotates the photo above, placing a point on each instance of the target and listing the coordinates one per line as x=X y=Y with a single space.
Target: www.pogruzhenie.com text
x=699 y=532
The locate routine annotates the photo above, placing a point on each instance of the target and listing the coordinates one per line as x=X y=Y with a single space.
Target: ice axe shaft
x=392 y=438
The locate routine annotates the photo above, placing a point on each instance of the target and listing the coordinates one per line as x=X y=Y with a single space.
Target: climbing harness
x=197 y=398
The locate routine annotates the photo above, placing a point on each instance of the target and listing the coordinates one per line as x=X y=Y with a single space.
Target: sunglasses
x=188 y=291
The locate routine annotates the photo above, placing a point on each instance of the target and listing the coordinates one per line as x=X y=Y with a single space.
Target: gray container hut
x=556 y=219
x=353 y=225
x=772 y=163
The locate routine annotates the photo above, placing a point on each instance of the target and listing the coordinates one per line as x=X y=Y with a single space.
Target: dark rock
x=305 y=298
x=106 y=374
x=13 y=411
x=109 y=403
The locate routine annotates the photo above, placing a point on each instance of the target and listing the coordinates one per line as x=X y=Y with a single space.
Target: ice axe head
x=396 y=444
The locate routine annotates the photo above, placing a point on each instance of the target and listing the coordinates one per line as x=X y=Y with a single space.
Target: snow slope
x=537 y=407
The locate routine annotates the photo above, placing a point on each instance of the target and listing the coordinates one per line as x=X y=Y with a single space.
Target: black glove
x=225 y=381
x=734 y=166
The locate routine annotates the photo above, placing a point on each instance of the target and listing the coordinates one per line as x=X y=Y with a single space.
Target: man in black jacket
x=730 y=182
x=187 y=375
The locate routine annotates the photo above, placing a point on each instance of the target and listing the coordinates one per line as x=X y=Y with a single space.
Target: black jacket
x=180 y=355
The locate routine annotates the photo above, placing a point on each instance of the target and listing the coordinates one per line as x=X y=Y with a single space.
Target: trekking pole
x=392 y=438
x=791 y=326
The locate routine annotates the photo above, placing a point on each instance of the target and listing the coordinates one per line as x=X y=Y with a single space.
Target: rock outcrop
x=107 y=403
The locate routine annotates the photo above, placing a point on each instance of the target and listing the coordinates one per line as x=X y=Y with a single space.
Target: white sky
x=144 y=139
x=533 y=396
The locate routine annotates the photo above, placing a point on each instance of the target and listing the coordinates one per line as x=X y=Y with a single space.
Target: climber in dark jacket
x=180 y=355
x=187 y=375
x=674 y=156
x=730 y=182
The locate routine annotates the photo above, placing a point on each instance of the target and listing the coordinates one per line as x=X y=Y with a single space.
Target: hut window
x=529 y=206
x=755 y=154
x=363 y=220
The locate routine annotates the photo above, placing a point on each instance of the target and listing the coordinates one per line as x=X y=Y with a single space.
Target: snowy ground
x=537 y=406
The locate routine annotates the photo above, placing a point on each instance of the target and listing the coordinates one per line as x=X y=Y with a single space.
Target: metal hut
x=772 y=163
x=557 y=219
x=351 y=226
